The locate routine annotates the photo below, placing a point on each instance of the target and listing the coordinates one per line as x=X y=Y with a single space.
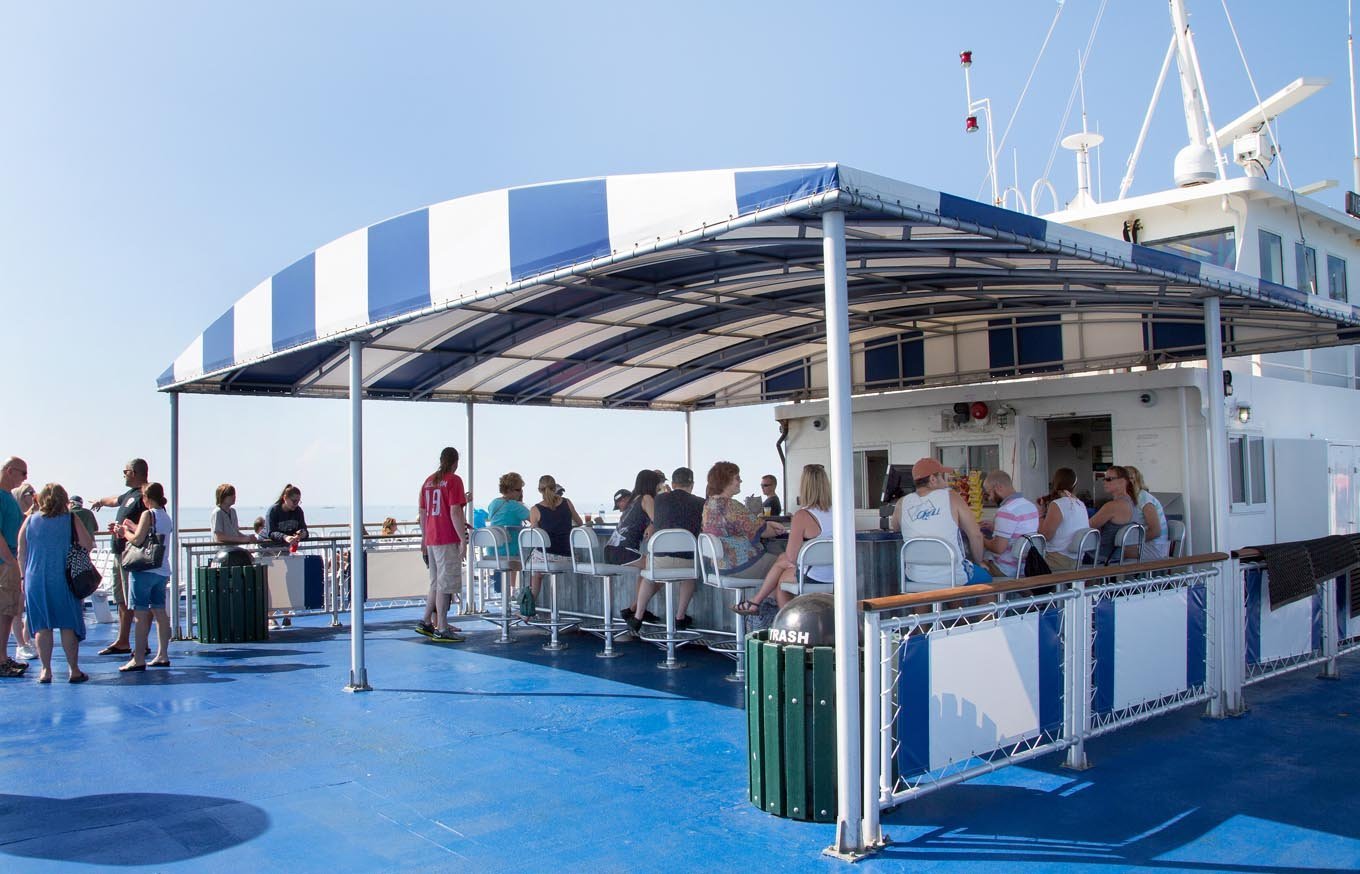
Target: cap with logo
x=928 y=467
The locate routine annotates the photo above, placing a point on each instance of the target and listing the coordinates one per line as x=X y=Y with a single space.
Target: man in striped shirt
x=1016 y=515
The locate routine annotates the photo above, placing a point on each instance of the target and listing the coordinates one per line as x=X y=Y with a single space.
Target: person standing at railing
x=130 y=506
x=1016 y=516
x=443 y=526
x=1156 y=541
x=222 y=520
x=285 y=524
x=1065 y=521
x=936 y=510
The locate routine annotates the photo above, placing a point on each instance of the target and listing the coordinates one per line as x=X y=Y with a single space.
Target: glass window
x=871 y=470
x=1247 y=467
x=1272 y=257
x=1305 y=266
x=1213 y=247
x=1256 y=464
x=1336 y=278
x=1239 y=480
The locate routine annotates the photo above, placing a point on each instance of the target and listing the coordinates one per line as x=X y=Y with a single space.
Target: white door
x=1341 y=476
x=1031 y=456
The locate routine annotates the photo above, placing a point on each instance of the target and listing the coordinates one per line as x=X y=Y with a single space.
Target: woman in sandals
x=147 y=587
x=44 y=541
x=738 y=529
x=812 y=520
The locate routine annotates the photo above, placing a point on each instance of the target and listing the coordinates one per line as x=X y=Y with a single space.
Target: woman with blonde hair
x=1156 y=541
x=813 y=520
x=44 y=540
x=1115 y=513
x=508 y=512
x=555 y=514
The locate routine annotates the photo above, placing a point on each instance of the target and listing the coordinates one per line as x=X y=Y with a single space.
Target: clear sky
x=159 y=159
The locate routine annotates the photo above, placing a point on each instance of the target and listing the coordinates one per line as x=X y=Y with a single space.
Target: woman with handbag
x=45 y=540
x=148 y=562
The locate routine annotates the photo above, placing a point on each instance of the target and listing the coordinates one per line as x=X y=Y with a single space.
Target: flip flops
x=79 y=678
x=745 y=608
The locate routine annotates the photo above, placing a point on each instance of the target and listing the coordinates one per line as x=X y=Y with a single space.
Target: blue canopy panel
x=701 y=289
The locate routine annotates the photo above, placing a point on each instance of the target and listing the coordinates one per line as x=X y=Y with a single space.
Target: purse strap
x=74 y=540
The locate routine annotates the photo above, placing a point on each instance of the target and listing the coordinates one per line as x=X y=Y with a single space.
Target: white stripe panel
x=1071 y=335
x=939 y=354
x=665 y=205
x=682 y=351
x=469 y=245
x=1220 y=274
x=1149 y=647
x=190 y=362
x=342 y=284
x=1110 y=335
x=568 y=336
x=375 y=363
x=975 y=711
x=1089 y=241
x=890 y=190
x=612 y=381
x=714 y=384
x=1287 y=631
x=253 y=320
x=975 y=351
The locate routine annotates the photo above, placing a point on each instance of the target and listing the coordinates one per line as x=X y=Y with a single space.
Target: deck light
x=970 y=124
x=1243 y=413
x=966 y=58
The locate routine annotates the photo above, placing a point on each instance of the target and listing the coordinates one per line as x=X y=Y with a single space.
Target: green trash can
x=791 y=728
x=233 y=604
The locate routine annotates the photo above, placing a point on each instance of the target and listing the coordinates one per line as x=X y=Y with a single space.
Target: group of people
x=35 y=540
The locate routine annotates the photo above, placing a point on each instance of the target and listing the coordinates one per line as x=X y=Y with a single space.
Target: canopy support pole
x=468 y=581
x=689 y=442
x=849 y=829
x=176 y=628
x=358 y=673
x=1230 y=606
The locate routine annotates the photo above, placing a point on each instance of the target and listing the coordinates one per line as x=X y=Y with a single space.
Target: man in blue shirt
x=12 y=473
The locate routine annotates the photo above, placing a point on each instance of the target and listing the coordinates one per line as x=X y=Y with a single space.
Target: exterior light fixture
x=966 y=58
x=1244 y=413
x=970 y=124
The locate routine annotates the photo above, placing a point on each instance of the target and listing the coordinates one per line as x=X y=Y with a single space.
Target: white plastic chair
x=929 y=552
x=535 y=558
x=813 y=553
x=587 y=560
x=710 y=574
x=1175 y=535
x=670 y=540
x=490 y=556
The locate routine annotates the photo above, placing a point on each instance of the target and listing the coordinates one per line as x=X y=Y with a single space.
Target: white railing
x=964 y=687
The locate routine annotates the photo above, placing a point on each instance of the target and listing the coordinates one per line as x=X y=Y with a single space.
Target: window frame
x=1303 y=255
x=859 y=460
x=1345 y=278
x=1276 y=245
x=1243 y=471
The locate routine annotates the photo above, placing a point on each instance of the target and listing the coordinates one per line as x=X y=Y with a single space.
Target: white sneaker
x=25 y=652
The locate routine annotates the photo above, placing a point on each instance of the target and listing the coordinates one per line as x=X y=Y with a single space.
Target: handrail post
x=873 y=725
x=1329 y=631
x=1077 y=649
x=358 y=673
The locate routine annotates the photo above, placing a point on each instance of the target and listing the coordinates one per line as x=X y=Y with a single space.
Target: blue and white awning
x=703 y=289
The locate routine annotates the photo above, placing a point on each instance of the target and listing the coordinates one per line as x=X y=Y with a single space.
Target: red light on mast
x=978 y=410
x=966 y=58
x=970 y=124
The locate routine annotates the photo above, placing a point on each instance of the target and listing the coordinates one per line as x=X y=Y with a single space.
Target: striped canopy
x=705 y=289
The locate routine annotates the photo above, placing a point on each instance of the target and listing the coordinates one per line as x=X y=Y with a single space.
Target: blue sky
x=160 y=159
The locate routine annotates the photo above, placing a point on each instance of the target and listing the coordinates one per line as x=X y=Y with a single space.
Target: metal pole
x=358 y=673
x=1230 y=615
x=468 y=580
x=849 y=832
x=689 y=442
x=176 y=629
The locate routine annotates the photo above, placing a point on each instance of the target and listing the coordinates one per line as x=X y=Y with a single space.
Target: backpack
x=1035 y=563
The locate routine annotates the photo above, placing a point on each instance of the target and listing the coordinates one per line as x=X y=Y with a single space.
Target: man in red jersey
x=443 y=527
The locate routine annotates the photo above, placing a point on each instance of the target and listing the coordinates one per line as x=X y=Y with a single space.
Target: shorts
x=1059 y=562
x=756 y=571
x=11 y=591
x=120 y=581
x=446 y=570
x=148 y=590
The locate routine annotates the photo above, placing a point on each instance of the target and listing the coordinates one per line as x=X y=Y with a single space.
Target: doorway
x=1085 y=444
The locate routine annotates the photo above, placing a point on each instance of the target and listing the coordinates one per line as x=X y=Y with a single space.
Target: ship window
x=871 y=469
x=1217 y=247
x=1336 y=278
x=1272 y=257
x=1247 y=465
x=1305 y=265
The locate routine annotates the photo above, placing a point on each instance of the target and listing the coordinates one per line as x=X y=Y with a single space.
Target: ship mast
x=1201 y=160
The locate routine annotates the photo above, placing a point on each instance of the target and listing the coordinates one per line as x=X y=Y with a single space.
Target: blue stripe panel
x=1283 y=292
x=293 y=304
x=1160 y=260
x=1342 y=590
x=757 y=189
x=789 y=378
x=913 y=695
x=1103 y=679
x=1317 y=623
x=899 y=360
x=219 y=342
x=1255 y=579
x=1196 y=636
x=1189 y=338
x=167 y=377
x=555 y=225
x=987 y=216
x=399 y=265
x=1037 y=338
x=1050 y=670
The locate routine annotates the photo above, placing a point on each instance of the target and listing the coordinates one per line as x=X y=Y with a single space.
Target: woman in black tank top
x=556 y=516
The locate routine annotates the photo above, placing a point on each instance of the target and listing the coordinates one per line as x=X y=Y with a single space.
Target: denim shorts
x=148 y=590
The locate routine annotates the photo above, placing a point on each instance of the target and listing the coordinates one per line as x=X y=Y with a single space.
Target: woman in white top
x=147 y=587
x=813 y=520
x=1065 y=520
x=1156 y=540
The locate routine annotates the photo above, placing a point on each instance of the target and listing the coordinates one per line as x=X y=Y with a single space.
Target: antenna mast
x=970 y=123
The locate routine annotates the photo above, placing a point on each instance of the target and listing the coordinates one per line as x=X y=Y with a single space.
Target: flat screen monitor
x=897 y=482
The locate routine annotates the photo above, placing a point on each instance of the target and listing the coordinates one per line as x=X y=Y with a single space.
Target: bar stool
x=1175 y=535
x=586 y=561
x=710 y=553
x=670 y=540
x=817 y=552
x=929 y=552
x=1088 y=545
x=534 y=556
x=491 y=556
x=1128 y=536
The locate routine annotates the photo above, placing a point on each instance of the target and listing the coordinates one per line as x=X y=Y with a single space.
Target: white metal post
x=849 y=835
x=873 y=725
x=358 y=673
x=689 y=442
x=469 y=580
x=176 y=628
x=1230 y=614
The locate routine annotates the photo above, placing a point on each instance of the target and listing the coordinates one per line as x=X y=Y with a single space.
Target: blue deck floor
x=480 y=757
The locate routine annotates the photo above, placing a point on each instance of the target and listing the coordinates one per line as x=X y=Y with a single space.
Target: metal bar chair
x=1128 y=536
x=534 y=556
x=586 y=560
x=1175 y=536
x=710 y=574
x=491 y=556
x=1088 y=545
x=928 y=552
x=816 y=552
x=670 y=540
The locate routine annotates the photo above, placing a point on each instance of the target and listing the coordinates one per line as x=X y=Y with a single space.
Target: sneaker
x=634 y=623
x=12 y=669
x=649 y=616
x=425 y=628
x=447 y=636
x=25 y=652
x=684 y=622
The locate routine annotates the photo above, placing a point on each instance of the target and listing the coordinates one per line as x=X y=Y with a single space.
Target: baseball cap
x=77 y=501
x=926 y=467
x=683 y=476
x=622 y=493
